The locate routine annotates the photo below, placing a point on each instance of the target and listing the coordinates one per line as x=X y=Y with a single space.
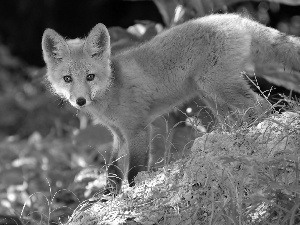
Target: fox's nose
x=80 y=101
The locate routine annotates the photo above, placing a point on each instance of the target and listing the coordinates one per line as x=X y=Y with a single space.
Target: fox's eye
x=68 y=79
x=90 y=77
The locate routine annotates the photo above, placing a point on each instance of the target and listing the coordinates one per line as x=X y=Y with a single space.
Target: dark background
x=22 y=22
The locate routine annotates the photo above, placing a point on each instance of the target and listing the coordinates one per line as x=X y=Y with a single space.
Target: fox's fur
x=203 y=57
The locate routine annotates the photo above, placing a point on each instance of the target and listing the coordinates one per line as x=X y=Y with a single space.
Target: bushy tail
x=270 y=45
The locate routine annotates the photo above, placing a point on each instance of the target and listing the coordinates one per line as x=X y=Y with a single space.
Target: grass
x=249 y=175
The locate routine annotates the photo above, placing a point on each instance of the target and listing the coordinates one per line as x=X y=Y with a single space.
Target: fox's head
x=78 y=70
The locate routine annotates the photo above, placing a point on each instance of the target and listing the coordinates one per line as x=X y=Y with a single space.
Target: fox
x=125 y=92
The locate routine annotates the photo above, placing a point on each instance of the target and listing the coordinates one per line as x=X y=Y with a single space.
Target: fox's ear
x=97 y=44
x=54 y=47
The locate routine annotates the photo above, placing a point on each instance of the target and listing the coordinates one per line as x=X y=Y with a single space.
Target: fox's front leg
x=138 y=145
x=116 y=168
x=130 y=155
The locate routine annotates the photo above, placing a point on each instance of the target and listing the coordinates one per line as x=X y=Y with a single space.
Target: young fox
x=126 y=92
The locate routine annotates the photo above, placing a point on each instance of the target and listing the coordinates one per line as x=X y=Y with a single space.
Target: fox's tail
x=270 y=45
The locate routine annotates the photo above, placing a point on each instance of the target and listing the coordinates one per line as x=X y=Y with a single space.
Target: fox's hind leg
x=227 y=92
x=231 y=98
x=234 y=100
